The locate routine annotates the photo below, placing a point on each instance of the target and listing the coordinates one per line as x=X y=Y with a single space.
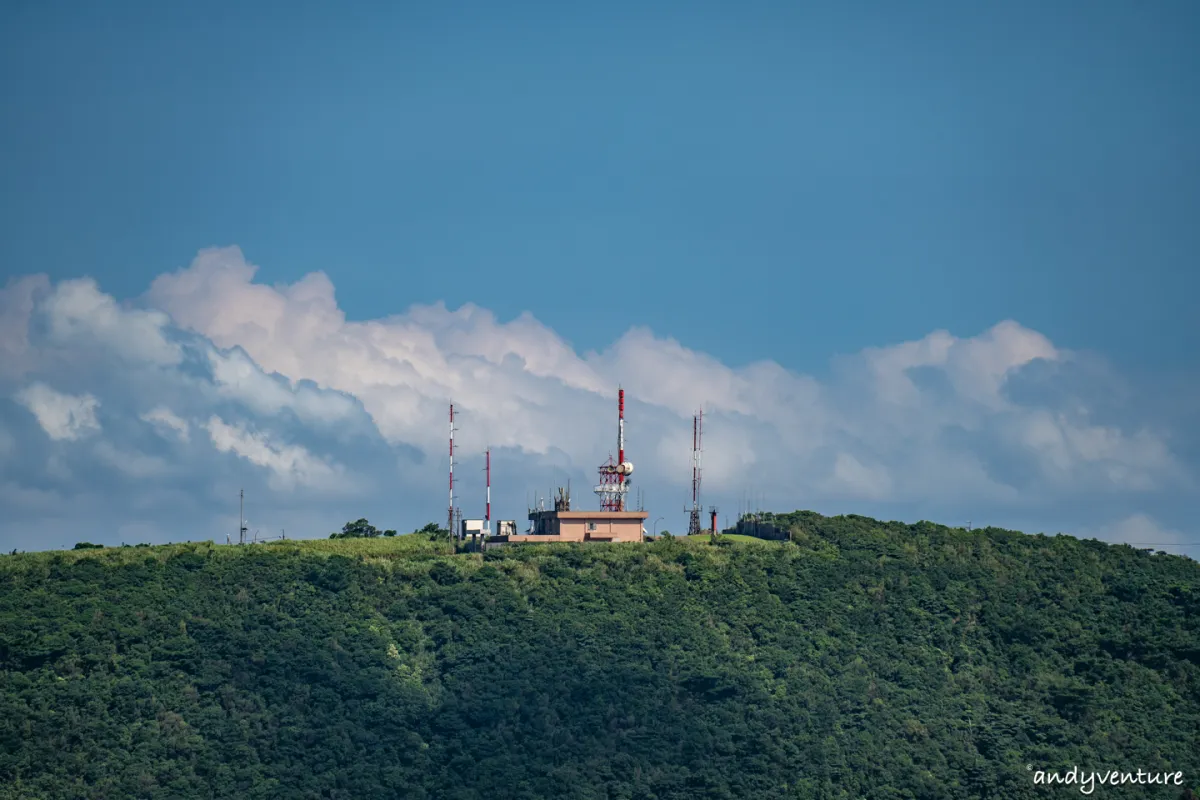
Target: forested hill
x=859 y=660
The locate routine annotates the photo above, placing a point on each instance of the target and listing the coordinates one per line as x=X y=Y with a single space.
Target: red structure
x=713 y=512
x=487 y=515
x=614 y=477
x=621 y=428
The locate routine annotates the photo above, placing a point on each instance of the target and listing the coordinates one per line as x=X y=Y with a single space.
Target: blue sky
x=810 y=185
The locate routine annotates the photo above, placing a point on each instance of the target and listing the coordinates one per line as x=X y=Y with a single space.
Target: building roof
x=588 y=515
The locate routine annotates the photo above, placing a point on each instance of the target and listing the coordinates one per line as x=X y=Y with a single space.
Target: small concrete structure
x=579 y=526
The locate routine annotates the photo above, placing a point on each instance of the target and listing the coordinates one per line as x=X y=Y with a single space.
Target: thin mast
x=450 y=512
x=621 y=445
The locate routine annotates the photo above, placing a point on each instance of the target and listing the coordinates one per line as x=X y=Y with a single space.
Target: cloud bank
x=145 y=418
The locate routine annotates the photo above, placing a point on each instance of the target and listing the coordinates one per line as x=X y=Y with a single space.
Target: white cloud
x=289 y=464
x=277 y=376
x=62 y=416
x=976 y=367
x=78 y=312
x=167 y=423
x=1065 y=446
x=519 y=385
x=236 y=376
x=17 y=303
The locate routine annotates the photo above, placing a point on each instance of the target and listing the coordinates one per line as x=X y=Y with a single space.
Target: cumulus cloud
x=17 y=303
x=62 y=416
x=520 y=382
x=79 y=314
x=167 y=423
x=289 y=464
x=313 y=404
x=236 y=376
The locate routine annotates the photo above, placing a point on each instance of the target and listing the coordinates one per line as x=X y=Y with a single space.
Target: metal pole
x=450 y=512
x=621 y=446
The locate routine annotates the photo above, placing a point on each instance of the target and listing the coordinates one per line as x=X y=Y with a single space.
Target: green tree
x=435 y=532
x=358 y=529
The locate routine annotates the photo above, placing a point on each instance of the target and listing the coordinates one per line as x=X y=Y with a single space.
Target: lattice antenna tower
x=614 y=477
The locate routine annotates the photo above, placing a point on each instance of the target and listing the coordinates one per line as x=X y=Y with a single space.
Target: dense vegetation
x=860 y=659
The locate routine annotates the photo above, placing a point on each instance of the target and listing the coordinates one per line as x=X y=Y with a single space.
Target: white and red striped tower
x=621 y=426
x=487 y=514
x=614 y=477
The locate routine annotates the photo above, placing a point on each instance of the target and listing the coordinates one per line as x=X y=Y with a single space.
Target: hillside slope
x=864 y=659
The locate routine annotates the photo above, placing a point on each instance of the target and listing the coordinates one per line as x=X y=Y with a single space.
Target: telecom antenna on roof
x=614 y=477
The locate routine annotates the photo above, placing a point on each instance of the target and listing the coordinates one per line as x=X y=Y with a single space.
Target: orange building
x=580 y=526
x=611 y=524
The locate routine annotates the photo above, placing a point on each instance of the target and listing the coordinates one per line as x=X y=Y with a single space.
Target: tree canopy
x=856 y=659
x=360 y=529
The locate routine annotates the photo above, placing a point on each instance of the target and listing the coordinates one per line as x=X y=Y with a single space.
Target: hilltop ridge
x=860 y=658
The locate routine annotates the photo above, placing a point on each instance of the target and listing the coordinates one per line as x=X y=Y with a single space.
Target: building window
x=591 y=526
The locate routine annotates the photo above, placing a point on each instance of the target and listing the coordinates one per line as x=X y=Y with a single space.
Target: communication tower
x=614 y=476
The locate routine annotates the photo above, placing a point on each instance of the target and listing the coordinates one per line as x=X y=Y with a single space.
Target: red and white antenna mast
x=621 y=444
x=487 y=516
x=614 y=477
x=620 y=426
